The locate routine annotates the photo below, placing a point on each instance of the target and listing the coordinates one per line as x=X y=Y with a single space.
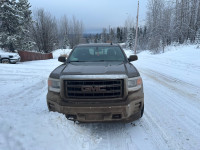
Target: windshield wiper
x=109 y=60
x=76 y=61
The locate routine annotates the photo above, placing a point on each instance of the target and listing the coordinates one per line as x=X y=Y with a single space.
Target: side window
x=74 y=56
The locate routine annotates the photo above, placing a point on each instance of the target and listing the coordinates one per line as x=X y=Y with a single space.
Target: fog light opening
x=139 y=105
x=51 y=107
x=116 y=116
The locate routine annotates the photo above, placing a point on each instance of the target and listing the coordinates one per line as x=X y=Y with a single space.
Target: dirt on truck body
x=96 y=83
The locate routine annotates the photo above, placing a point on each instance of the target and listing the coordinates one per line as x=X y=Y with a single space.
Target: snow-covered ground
x=171 y=119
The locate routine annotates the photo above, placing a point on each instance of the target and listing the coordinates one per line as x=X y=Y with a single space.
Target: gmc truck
x=96 y=83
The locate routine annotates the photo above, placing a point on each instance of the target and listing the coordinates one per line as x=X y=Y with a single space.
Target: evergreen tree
x=96 y=38
x=104 y=35
x=15 y=23
x=118 y=35
x=10 y=24
x=121 y=36
x=66 y=42
x=25 y=42
x=124 y=34
x=130 y=38
x=112 y=35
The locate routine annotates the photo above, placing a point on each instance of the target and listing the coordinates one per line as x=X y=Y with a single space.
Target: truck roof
x=98 y=44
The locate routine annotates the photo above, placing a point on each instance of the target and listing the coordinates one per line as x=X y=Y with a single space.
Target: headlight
x=54 y=85
x=134 y=84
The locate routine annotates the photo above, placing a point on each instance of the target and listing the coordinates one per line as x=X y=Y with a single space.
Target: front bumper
x=127 y=110
x=15 y=60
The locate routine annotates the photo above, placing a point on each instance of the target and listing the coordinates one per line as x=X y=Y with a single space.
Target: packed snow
x=171 y=118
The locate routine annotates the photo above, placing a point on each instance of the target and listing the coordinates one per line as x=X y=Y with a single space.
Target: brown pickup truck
x=96 y=83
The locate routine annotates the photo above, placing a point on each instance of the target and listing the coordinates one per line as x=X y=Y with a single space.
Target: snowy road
x=171 y=119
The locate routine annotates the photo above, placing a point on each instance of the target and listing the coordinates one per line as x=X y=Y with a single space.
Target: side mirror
x=62 y=59
x=132 y=58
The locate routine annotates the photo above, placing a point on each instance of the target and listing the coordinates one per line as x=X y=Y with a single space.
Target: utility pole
x=136 y=29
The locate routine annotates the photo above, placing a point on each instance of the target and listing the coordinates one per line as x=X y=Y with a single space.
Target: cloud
x=94 y=13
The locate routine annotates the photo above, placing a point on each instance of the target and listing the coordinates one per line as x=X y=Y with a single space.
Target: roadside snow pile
x=181 y=62
x=59 y=52
x=1 y=51
x=128 y=52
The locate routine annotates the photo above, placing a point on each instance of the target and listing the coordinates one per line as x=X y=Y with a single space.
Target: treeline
x=172 y=21
x=124 y=35
x=167 y=22
x=20 y=29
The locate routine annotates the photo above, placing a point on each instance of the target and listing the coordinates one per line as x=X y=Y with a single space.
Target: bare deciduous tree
x=172 y=21
x=44 y=31
x=64 y=31
x=75 y=32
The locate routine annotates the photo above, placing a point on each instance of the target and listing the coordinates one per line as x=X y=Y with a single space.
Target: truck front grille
x=93 y=89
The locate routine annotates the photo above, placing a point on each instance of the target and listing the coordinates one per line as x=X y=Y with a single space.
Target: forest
x=167 y=22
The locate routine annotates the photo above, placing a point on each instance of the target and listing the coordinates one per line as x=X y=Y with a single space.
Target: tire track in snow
x=181 y=87
x=157 y=134
x=173 y=67
x=109 y=136
x=7 y=139
x=168 y=62
x=27 y=92
x=169 y=105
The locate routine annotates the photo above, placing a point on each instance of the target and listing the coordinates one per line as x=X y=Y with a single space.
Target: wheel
x=5 y=61
x=142 y=111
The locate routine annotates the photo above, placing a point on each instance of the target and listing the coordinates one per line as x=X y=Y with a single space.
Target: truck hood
x=100 y=68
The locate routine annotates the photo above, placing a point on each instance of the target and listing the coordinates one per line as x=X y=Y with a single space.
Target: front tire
x=142 y=111
x=5 y=61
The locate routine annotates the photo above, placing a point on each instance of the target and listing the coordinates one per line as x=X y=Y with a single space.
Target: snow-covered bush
x=187 y=42
x=130 y=39
x=175 y=44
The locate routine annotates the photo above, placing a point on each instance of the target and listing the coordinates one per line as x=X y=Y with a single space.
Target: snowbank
x=1 y=51
x=181 y=62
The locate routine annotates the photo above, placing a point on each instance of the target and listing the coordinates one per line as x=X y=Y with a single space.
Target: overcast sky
x=95 y=14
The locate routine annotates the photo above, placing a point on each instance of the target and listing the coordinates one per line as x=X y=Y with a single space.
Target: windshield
x=93 y=54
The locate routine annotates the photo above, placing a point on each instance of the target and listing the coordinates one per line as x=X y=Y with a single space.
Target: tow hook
x=71 y=117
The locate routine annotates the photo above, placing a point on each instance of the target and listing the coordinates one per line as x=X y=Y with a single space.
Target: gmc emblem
x=93 y=88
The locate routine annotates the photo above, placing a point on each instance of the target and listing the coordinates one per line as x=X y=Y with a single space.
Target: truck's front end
x=96 y=87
